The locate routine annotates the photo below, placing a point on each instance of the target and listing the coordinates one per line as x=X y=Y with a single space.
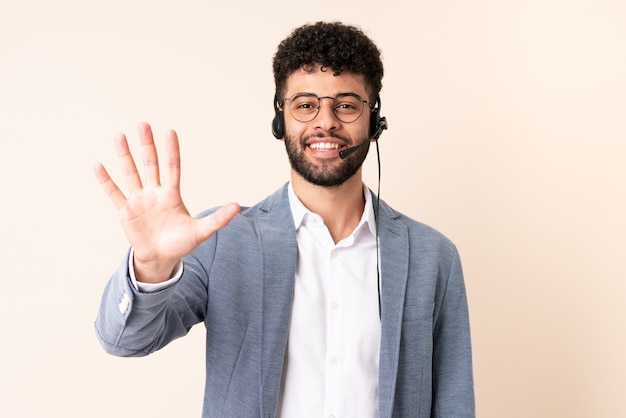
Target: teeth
x=324 y=145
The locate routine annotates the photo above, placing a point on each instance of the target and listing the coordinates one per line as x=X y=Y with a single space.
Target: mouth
x=325 y=146
x=325 y=149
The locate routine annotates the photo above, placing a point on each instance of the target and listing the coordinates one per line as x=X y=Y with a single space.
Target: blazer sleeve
x=453 y=386
x=131 y=323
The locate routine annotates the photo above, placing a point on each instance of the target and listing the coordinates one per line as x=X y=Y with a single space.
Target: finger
x=149 y=155
x=109 y=186
x=173 y=159
x=217 y=220
x=127 y=163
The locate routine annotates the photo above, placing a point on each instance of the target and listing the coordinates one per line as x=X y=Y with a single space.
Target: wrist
x=153 y=271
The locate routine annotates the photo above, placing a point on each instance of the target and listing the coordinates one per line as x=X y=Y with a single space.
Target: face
x=313 y=147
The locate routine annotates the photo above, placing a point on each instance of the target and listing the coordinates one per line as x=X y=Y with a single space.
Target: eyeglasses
x=347 y=107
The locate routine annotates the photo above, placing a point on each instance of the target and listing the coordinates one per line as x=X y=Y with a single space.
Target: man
x=319 y=300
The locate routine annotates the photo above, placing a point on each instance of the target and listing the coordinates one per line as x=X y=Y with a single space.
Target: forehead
x=324 y=83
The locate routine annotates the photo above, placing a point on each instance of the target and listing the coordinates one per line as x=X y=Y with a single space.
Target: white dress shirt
x=331 y=363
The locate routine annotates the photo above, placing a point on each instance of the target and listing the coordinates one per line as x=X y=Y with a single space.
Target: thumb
x=217 y=220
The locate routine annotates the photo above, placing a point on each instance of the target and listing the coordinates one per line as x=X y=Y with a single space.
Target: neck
x=341 y=207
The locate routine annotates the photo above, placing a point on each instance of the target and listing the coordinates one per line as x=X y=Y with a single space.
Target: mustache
x=325 y=135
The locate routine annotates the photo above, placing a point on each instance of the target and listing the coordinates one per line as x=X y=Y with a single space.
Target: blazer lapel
x=277 y=239
x=394 y=255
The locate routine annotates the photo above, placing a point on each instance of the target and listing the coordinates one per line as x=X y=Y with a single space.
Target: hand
x=153 y=216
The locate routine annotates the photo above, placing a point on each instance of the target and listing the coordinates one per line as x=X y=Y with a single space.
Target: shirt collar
x=300 y=212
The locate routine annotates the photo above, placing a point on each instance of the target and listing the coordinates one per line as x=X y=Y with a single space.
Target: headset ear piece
x=374 y=119
x=377 y=123
x=381 y=126
x=278 y=123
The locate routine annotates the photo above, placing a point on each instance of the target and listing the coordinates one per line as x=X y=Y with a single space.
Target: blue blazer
x=240 y=283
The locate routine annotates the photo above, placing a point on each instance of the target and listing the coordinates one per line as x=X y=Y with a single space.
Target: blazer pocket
x=416 y=312
x=417 y=332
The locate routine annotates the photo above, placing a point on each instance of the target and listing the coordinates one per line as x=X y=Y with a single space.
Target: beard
x=324 y=172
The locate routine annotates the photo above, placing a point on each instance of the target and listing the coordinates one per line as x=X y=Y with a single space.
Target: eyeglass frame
x=319 y=105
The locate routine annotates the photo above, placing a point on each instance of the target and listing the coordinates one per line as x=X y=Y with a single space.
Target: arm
x=161 y=231
x=132 y=323
x=453 y=387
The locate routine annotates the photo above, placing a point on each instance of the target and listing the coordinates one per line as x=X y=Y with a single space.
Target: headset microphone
x=380 y=127
x=343 y=154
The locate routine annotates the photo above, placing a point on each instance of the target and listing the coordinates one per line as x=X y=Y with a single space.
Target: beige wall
x=507 y=133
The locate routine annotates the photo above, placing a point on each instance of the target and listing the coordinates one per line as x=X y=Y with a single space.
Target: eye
x=304 y=103
x=348 y=104
x=345 y=105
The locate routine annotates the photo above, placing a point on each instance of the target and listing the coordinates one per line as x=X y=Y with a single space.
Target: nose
x=326 y=119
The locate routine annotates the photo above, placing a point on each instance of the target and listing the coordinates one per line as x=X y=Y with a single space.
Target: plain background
x=507 y=133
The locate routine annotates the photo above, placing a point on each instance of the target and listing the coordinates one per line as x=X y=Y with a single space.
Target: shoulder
x=421 y=239
x=274 y=210
x=277 y=200
x=416 y=229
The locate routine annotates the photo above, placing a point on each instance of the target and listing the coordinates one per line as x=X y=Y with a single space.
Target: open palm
x=153 y=215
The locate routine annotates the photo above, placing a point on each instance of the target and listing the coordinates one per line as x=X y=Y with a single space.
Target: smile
x=324 y=146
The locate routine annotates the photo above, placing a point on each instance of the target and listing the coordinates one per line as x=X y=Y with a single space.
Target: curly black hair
x=332 y=45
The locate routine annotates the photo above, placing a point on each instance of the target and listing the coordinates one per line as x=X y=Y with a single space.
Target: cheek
x=295 y=129
x=362 y=131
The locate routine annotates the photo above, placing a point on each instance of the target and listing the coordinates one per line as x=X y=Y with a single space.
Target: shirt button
x=334 y=360
x=333 y=254
x=334 y=305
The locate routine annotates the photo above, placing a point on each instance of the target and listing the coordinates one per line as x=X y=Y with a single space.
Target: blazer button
x=124 y=304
